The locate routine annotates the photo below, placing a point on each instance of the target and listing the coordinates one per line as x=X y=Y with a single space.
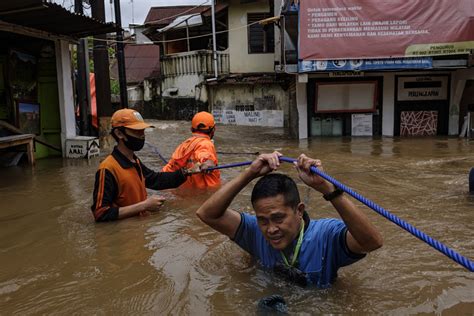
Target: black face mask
x=134 y=143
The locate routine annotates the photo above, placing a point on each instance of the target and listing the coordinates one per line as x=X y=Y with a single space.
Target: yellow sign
x=438 y=49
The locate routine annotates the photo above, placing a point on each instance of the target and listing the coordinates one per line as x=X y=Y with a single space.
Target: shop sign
x=422 y=88
x=345 y=30
x=365 y=65
x=82 y=147
x=341 y=74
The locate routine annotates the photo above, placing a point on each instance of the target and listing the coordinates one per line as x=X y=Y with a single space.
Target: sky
x=139 y=9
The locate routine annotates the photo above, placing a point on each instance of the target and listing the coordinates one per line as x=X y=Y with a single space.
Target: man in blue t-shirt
x=280 y=235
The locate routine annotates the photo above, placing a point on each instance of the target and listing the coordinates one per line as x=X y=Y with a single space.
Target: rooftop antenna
x=133 y=15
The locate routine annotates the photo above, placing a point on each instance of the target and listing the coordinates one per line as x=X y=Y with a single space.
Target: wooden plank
x=37 y=139
x=16 y=137
x=17 y=140
x=10 y=141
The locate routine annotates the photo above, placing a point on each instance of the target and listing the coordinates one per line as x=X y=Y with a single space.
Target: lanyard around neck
x=297 y=248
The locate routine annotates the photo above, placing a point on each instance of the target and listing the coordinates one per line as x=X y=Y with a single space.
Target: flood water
x=55 y=260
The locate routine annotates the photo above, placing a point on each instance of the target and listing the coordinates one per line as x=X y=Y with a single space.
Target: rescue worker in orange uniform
x=122 y=179
x=198 y=153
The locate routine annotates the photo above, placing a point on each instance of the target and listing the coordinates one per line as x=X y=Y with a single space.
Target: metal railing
x=196 y=62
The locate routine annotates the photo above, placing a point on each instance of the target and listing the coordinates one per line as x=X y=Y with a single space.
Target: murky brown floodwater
x=55 y=260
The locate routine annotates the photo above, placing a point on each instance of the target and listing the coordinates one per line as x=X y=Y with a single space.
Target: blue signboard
x=365 y=64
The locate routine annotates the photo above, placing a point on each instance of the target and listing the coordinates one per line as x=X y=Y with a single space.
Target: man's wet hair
x=274 y=184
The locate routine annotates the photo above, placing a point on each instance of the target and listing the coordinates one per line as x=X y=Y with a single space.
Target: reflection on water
x=55 y=259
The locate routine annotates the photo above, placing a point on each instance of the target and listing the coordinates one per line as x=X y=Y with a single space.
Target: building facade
x=36 y=85
x=351 y=81
x=243 y=89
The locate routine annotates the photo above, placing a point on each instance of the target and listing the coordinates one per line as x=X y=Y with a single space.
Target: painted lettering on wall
x=272 y=118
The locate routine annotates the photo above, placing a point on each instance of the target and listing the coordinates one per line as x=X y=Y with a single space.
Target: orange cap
x=130 y=119
x=203 y=121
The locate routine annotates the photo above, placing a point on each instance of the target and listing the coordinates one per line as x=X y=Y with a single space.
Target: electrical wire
x=181 y=39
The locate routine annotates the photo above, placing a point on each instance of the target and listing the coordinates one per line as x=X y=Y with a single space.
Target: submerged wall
x=250 y=104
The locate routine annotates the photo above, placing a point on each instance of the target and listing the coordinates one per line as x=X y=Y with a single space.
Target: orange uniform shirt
x=120 y=182
x=196 y=149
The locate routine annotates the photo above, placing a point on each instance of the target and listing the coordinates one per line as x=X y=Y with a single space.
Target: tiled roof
x=165 y=15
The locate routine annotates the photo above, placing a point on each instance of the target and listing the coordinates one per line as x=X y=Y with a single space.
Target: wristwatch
x=334 y=194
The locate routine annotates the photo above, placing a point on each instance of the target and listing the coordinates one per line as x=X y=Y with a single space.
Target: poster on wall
x=29 y=117
x=341 y=30
x=361 y=124
x=356 y=96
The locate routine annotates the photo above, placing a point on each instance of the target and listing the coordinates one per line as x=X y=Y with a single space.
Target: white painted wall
x=135 y=93
x=186 y=84
x=302 y=105
x=139 y=37
x=66 y=94
x=269 y=118
x=269 y=103
x=147 y=90
x=240 y=60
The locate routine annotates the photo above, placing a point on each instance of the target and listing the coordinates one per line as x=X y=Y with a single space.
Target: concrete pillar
x=302 y=106
x=65 y=92
x=388 y=111
x=457 y=89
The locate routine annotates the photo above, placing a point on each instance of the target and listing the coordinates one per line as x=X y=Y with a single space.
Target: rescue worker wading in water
x=122 y=179
x=198 y=153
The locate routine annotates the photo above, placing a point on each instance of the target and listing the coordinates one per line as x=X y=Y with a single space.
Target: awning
x=52 y=18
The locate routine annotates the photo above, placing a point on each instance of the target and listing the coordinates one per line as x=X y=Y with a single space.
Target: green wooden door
x=48 y=98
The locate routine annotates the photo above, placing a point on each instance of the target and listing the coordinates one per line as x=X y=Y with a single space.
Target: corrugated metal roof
x=52 y=18
x=141 y=61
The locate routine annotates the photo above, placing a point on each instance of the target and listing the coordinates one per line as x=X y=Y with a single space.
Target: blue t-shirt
x=323 y=250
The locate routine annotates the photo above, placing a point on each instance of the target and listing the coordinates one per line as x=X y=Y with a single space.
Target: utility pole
x=120 y=57
x=133 y=13
x=102 y=77
x=83 y=94
x=214 y=46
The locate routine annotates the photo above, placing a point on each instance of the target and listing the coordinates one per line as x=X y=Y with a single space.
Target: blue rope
x=465 y=262
x=156 y=151
x=411 y=229
x=231 y=165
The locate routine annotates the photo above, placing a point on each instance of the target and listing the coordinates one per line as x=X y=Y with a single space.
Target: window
x=357 y=96
x=261 y=39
